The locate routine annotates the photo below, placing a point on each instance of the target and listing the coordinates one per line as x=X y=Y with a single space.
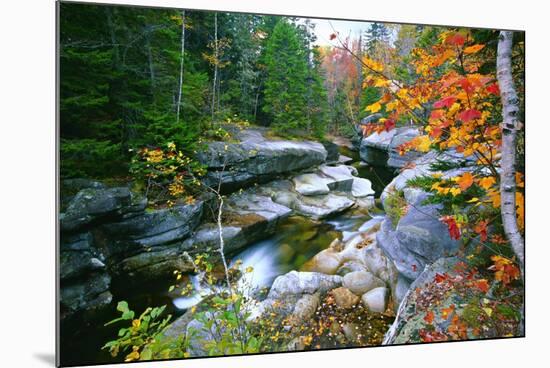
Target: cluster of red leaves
x=505 y=269
x=462 y=281
x=454 y=230
x=370 y=128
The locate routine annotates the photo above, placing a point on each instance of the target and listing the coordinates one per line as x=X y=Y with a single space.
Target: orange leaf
x=446 y=312
x=482 y=285
x=487 y=182
x=465 y=181
x=481 y=229
x=473 y=49
x=429 y=317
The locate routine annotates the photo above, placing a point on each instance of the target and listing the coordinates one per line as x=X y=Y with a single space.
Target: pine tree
x=286 y=78
x=376 y=35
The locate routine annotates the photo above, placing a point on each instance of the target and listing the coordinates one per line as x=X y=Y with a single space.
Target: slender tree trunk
x=178 y=106
x=214 y=82
x=150 y=61
x=510 y=126
x=256 y=101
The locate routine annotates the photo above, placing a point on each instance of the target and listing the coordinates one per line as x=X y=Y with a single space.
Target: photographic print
x=239 y=183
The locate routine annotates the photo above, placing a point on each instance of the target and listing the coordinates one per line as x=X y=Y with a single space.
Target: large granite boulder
x=381 y=149
x=92 y=204
x=150 y=229
x=418 y=239
x=403 y=135
x=297 y=283
x=247 y=218
x=255 y=158
x=374 y=148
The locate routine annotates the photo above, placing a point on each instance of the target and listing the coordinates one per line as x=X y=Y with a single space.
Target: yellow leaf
x=390 y=106
x=473 y=49
x=520 y=209
x=487 y=182
x=455 y=191
x=422 y=143
x=489 y=311
x=495 y=198
x=473 y=200
x=381 y=82
x=375 y=107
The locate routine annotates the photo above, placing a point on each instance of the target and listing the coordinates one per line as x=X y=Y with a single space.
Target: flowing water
x=297 y=239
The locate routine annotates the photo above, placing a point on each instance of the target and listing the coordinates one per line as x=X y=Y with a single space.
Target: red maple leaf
x=389 y=124
x=439 y=278
x=436 y=114
x=493 y=88
x=455 y=39
x=445 y=102
x=468 y=115
x=466 y=85
x=454 y=230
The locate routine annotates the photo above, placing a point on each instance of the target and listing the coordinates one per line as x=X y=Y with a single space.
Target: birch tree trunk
x=214 y=82
x=178 y=105
x=510 y=126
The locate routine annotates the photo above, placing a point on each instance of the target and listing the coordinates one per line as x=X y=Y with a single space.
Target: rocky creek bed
x=304 y=216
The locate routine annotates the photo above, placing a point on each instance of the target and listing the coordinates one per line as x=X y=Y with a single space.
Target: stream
x=297 y=239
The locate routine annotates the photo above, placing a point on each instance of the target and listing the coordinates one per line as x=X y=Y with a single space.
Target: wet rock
x=344 y=298
x=371 y=225
x=257 y=159
x=374 y=148
x=376 y=299
x=76 y=242
x=248 y=218
x=350 y=266
x=342 y=159
x=327 y=261
x=360 y=282
x=94 y=203
x=78 y=263
x=361 y=188
x=311 y=184
x=333 y=152
x=403 y=135
x=342 y=176
x=77 y=294
x=297 y=283
x=305 y=307
x=161 y=262
x=153 y=228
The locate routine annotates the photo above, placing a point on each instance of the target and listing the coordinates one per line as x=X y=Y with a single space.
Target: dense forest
x=279 y=189
x=143 y=77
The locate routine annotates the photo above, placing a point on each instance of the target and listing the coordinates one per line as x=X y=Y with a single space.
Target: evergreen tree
x=376 y=35
x=286 y=78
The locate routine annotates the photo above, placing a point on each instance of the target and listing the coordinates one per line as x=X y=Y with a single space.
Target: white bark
x=215 y=64
x=510 y=126
x=178 y=107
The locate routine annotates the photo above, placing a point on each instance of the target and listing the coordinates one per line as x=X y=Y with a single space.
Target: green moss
x=396 y=206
